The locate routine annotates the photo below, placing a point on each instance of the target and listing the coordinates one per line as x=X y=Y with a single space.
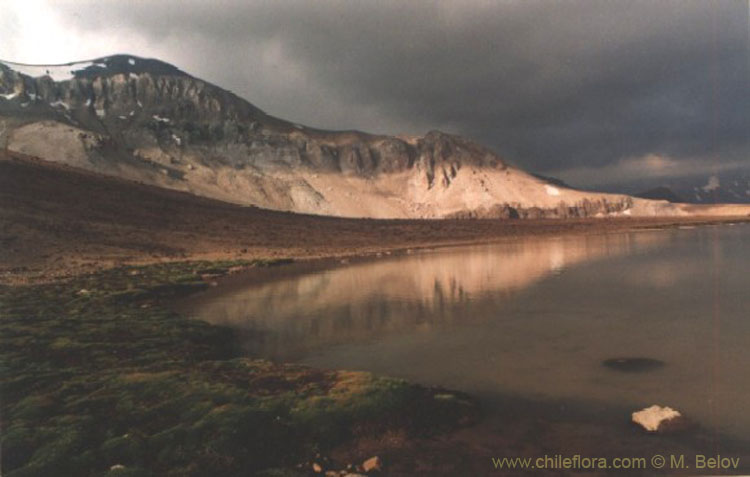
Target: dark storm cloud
x=552 y=85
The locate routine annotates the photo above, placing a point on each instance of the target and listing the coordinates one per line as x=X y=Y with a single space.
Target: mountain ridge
x=146 y=120
x=660 y=193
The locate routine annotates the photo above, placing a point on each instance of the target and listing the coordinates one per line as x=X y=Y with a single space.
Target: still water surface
x=533 y=318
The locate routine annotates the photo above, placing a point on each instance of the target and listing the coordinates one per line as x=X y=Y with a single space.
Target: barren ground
x=57 y=221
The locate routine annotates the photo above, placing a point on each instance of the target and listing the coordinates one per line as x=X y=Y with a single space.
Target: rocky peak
x=148 y=120
x=102 y=93
x=140 y=101
x=105 y=66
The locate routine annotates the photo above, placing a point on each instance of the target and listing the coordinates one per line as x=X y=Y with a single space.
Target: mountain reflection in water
x=534 y=318
x=289 y=318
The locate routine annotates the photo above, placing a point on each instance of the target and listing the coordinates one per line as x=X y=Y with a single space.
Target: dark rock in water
x=633 y=365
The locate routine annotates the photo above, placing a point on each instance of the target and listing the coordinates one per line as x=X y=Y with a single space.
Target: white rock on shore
x=654 y=417
x=372 y=464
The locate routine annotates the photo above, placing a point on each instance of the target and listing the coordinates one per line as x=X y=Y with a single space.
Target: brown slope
x=56 y=220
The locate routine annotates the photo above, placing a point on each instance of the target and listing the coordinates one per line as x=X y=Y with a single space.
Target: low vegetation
x=97 y=378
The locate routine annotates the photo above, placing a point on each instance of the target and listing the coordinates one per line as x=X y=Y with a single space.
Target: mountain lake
x=537 y=328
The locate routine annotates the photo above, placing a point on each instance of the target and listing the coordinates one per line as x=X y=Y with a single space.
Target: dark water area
x=588 y=328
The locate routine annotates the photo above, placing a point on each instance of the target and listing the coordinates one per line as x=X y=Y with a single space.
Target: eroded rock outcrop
x=149 y=121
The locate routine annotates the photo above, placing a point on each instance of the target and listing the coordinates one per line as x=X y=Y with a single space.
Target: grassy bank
x=97 y=378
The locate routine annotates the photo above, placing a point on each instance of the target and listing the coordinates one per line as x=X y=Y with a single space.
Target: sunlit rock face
x=149 y=121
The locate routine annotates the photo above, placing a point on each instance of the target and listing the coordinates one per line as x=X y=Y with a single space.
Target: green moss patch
x=97 y=379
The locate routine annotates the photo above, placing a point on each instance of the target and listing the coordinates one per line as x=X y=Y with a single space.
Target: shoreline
x=460 y=436
x=470 y=448
x=449 y=446
x=521 y=229
x=290 y=267
x=314 y=263
x=95 y=367
x=60 y=222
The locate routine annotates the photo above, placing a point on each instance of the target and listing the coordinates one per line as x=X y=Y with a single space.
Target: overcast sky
x=596 y=92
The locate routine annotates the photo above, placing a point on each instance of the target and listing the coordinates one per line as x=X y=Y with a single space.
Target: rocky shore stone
x=658 y=419
x=372 y=464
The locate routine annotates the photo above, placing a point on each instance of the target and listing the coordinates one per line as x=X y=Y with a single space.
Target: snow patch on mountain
x=56 y=72
x=713 y=184
x=60 y=104
x=109 y=65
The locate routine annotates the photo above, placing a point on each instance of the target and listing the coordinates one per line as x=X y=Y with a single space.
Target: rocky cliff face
x=149 y=121
x=133 y=101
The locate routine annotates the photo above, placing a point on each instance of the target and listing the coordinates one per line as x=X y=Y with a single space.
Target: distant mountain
x=729 y=187
x=661 y=193
x=733 y=188
x=147 y=120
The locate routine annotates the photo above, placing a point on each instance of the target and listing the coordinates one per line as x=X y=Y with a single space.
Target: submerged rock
x=633 y=365
x=659 y=419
